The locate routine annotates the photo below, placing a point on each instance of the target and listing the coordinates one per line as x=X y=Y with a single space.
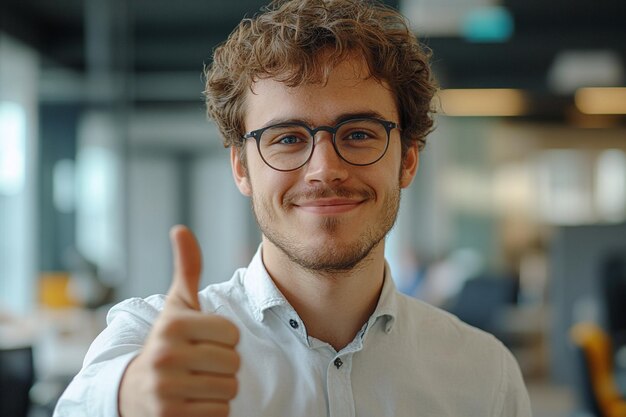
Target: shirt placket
x=339 y=379
x=339 y=385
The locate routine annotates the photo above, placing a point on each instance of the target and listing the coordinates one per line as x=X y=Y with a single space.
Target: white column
x=19 y=72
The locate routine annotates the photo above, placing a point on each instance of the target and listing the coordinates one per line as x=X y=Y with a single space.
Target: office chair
x=482 y=299
x=613 y=284
x=597 y=387
x=16 y=379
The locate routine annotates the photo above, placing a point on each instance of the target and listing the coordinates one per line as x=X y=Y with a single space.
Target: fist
x=189 y=363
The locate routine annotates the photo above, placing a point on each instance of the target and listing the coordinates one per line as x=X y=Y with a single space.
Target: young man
x=325 y=105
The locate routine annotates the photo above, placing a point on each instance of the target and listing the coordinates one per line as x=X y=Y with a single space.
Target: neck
x=333 y=306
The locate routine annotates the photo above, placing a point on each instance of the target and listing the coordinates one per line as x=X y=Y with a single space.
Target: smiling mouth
x=330 y=206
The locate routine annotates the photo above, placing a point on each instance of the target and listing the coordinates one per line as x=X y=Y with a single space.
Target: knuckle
x=173 y=325
x=161 y=387
x=228 y=328
x=164 y=357
x=235 y=362
x=235 y=333
x=231 y=388
x=222 y=410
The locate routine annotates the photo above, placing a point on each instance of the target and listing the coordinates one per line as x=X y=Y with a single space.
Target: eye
x=361 y=132
x=358 y=135
x=288 y=140
x=284 y=135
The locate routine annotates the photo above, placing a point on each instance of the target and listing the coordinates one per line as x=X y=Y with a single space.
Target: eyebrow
x=338 y=119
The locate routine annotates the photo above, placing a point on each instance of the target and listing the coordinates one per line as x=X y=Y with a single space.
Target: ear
x=240 y=172
x=409 y=166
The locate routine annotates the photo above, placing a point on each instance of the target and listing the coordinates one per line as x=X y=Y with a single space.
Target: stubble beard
x=335 y=256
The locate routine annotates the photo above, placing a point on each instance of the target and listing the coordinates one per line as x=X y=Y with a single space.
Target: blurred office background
x=516 y=221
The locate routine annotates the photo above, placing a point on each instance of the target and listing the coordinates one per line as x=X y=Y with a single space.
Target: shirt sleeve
x=93 y=391
x=513 y=400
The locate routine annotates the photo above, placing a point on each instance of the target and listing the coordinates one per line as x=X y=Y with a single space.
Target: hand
x=188 y=365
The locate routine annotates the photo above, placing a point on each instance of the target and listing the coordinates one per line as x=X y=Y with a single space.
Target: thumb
x=187 y=269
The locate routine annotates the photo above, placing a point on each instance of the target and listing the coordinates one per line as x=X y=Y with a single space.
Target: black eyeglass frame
x=256 y=135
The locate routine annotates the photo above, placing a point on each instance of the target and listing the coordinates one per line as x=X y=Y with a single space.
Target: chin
x=328 y=244
x=327 y=254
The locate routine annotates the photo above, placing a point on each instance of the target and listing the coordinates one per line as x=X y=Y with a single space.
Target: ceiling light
x=482 y=102
x=601 y=100
x=488 y=24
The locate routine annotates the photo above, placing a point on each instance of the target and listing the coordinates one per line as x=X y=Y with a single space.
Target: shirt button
x=338 y=362
x=293 y=323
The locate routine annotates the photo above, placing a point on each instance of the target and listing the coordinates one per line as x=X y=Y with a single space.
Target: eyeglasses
x=289 y=146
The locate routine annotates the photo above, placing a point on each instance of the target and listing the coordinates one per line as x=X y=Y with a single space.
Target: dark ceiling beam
x=558 y=8
x=21 y=26
x=522 y=62
x=520 y=58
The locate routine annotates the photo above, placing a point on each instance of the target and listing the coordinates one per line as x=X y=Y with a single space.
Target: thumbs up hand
x=188 y=365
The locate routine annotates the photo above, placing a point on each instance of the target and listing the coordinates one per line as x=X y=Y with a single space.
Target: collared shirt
x=409 y=359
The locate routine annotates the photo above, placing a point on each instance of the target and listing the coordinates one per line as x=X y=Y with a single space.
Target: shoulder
x=224 y=296
x=421 y=315
x=142 y=309
x=444 y=345
x=444 y=334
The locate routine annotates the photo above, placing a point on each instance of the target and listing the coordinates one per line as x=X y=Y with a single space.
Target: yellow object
x=53 y=290
x=598 y=351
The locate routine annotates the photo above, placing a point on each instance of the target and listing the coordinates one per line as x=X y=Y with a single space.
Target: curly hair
x=285 y=41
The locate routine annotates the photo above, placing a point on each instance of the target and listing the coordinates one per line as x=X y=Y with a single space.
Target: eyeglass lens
x=289 y=146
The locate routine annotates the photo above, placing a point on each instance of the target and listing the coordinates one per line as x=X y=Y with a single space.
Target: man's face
x=328 y=215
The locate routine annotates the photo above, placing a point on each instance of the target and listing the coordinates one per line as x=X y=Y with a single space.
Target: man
x=325 y=105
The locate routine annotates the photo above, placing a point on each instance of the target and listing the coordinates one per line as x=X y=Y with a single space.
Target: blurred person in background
x=325 y=105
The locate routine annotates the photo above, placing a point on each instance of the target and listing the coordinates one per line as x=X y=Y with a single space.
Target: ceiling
x=159 y=46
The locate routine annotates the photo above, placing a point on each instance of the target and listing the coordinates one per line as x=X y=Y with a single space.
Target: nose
x=325 y=164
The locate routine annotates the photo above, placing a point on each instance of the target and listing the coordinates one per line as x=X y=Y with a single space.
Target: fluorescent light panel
x=482 y=102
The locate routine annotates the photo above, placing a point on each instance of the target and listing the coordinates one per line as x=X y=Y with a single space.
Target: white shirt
x=409 y=359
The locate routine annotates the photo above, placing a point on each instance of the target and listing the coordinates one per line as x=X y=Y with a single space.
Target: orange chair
x=596 y=347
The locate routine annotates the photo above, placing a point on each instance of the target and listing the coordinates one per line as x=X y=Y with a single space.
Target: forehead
x=349 y=89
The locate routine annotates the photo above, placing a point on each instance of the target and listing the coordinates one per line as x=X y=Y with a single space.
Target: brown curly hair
x=284 y=42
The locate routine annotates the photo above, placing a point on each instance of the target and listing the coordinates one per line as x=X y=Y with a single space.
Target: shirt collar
x=259 y=287
x=264 y=295
x=387 y=307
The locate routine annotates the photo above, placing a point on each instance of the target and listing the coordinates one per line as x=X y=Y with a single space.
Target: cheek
x=268 y=185
x=385 y=177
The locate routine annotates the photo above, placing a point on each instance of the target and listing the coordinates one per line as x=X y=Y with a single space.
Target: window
x=12 y=148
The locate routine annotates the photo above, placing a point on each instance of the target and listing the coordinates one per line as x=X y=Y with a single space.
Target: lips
x=329 y=206
x=326 y=200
